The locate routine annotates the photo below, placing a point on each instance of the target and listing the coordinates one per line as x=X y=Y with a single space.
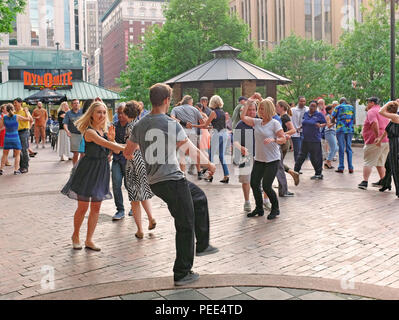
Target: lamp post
x=393 y=51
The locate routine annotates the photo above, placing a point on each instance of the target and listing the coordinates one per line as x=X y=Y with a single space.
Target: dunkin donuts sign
x=47 y=80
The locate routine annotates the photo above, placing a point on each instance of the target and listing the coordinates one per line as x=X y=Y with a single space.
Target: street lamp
x=393 y=51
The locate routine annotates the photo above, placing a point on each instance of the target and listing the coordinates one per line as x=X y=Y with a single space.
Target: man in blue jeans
x=186 y=202
x=344 y=116
x=119 y=165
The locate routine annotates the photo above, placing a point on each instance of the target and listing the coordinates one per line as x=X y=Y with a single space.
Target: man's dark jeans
x=118 y=175
x=188 y=205
x=316 y=156
x=24 y=160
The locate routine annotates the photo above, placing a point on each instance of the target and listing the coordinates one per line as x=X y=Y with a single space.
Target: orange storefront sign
x=48 y=80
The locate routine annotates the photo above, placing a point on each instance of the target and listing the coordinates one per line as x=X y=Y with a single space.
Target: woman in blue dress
x=11 y=139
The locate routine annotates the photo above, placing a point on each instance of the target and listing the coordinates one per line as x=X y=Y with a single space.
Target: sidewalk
x=330 y=230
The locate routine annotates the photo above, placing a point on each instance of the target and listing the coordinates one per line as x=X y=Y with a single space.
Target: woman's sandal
x=139 y=235
x=152 y=224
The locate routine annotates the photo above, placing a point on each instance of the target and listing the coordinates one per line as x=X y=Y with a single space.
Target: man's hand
x=244 y=151
x=68 y=133
x=189 y=125
x=377 y=142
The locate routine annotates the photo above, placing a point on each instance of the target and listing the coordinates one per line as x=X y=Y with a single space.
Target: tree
x=191 y=30
x=363 y=56
x=306 y=62
x=8 y=12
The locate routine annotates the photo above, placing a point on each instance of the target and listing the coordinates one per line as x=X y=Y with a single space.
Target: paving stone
x=242 y=296
x=347 y=296
x=296 y=292
x=219 y=293
x=248 y=289
x=141 y=296
x=165 y=293
x=112 y=298
x=269 y=294
x=187 y=295
x=317 y=295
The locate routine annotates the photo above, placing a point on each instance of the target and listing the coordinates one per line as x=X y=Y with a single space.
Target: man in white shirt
x=297 y=118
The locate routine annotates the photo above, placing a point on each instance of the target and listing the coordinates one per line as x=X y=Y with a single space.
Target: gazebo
x=226 y=71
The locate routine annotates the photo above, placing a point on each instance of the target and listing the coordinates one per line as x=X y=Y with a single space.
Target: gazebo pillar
x=271 y=90
x=177 y=93
x=248 y=87
x=207 y=89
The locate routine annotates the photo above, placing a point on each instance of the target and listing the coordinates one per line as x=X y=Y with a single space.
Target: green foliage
x=191 y=30
x=363 y=55
x=307 y=63
x=8 y=13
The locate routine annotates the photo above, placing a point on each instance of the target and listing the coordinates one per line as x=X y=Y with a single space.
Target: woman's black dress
x=90 y=177
x=392 y=164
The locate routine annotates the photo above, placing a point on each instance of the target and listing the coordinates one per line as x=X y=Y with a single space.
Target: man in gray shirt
x=158 y=137
x=187 y=113
x=297 y=118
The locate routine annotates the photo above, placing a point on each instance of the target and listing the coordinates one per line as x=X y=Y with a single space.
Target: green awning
x=81 y=90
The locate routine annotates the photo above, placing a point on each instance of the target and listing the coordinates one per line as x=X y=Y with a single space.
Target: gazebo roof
x=226 y=67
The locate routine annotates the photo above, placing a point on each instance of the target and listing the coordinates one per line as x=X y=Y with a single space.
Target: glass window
x=12 y=39
x=76 y=16
x=327 y=21
x=50 y=22
x=308 y=19
x=34 y=20
x=318 y=27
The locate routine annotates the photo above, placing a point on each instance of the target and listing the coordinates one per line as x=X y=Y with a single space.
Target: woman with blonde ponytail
x=89 y=181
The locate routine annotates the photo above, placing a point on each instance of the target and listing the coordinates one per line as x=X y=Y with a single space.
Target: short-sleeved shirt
x=244 y=135
x=345 y=115
x=311 y=133
x=120 y=137
x=42 y=114
x=285 y=118
x=297 y=118
x=70 y=118
x=374 y=116
x=157 y=136
x=22 y=125
x=271 y=152
x=187 y=113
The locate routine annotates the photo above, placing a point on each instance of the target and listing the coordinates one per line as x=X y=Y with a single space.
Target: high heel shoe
x=225 y=180
x=209 y=179
x=139 y=235
x=385 y=189
x=326 y=166
x=152 y=224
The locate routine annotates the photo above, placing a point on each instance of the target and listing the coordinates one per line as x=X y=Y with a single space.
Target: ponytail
x=10 y=110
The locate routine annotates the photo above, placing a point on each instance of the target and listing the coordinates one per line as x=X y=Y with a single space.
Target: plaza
x=330 y=238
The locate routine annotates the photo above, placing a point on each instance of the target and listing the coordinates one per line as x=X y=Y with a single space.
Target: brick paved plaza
x=330 y=232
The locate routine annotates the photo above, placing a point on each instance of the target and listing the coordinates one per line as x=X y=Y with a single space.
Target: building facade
x=46 y=25
x=124 y=25
x=273 y=20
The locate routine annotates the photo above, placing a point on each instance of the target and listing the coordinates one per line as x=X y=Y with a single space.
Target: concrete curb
x=112 y=289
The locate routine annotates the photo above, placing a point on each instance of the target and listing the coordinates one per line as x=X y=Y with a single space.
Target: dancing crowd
x=151 y=151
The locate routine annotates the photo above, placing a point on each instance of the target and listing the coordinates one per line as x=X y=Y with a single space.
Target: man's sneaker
x=18 y=172
x=23 y=170
x=200 y=175
x=363 y=185
x=288 y=195
x=130 y=213
x=377 y=184
x=119 y=215
x=317 y=177
x=189 y=278
x=339 y=171
x=247 y=207
x=273 y=214
x=207 y=251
